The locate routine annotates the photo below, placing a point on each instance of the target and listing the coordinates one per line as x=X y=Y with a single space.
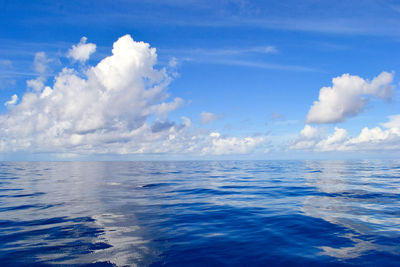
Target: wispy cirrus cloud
x=266 y=49
x=379 y=18
x=235 y=57
x=265 y=65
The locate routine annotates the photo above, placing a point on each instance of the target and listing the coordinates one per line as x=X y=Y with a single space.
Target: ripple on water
x=197 y=213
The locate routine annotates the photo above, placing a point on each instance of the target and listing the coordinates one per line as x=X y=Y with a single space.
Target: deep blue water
x=200 y=213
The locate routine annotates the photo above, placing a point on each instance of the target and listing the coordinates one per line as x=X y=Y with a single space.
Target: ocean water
x=200 y=213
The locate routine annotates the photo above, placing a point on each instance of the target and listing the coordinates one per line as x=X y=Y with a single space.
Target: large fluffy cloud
x=375 y=139
x=348 y=96
x=118 y=106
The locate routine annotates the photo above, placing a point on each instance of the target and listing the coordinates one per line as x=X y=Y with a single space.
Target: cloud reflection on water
x=355 y=198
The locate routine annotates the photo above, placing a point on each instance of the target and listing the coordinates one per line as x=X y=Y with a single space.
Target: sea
x=200 y=213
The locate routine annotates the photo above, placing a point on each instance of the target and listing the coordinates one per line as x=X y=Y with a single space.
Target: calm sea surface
x=200 y=213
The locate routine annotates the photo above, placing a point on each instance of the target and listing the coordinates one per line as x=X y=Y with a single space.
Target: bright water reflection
x=363 y=198
x=200 y=213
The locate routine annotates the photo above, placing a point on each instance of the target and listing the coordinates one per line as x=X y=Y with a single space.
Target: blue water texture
x=200 y=213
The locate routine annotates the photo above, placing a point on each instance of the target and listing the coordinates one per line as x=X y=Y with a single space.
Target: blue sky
x=240 y=79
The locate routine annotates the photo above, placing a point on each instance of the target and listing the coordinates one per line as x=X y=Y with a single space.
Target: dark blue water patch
x=203 y=191
x=23 y=195
x=157 y=185
x=8 y=177
x=99 y=246
x=175 y=172
x=20 y=207
x=254 y=223
x=156 y=173
x=248 y=240
x=66 y=252
x=217 y=176
x=100 y=264
x=10 y=223
x=73 y=237
x=73 y=229
x=291 y=191
x=314 y=171
x=10 y=189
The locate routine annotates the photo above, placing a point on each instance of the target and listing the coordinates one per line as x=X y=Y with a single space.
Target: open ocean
x=200 y=213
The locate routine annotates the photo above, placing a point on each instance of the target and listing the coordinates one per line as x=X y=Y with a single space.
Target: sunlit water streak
x=196 y=213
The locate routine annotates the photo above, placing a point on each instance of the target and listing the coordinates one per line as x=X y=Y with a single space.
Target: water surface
x=196 y=213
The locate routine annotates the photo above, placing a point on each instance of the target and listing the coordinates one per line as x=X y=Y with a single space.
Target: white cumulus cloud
x=41 y=65
x=307 y=138
x=12 y=101
x=375 y=139
x=113 y=100
x=41 y=62
x=119 y=106
x=231 y=145
x=348 y=96
x=82 y=51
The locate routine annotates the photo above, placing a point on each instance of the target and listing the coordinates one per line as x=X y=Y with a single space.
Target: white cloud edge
x=82 y=51
x=369 y=139
x=12 y=101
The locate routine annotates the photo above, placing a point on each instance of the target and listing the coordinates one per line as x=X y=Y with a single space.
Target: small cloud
x=207 y=117
x=348 y=97
x=41 y=62
x=12 y=101
x=308 y=137
x=394 y=122
x=82 y=51
x=173 y=62
x=41 y=66
x=267 y=49
x=36 y=84
x=221 y=145
x=309 y=132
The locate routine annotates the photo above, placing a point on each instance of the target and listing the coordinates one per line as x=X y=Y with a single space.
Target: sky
x=221 y=79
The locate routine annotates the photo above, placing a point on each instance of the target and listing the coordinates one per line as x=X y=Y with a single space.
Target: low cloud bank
x=120 y=106
x=382 y=138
